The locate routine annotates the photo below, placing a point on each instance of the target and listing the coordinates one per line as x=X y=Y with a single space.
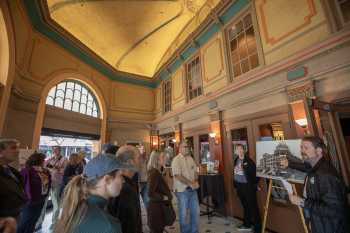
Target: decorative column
x=5 y=92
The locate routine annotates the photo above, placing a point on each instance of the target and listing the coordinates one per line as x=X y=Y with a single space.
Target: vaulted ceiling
x=132 y=36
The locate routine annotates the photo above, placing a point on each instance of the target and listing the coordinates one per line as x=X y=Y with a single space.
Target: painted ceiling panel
x=131 y=35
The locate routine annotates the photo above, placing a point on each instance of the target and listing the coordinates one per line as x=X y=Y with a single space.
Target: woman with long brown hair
x=86 y=196
x=158 y=192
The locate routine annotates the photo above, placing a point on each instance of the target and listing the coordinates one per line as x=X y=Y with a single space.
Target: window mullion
x=71 y=107
x=65 y=93
x=54 y=97
x=81 y=92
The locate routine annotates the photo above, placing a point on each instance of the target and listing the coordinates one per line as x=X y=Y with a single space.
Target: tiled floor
x=216 y=225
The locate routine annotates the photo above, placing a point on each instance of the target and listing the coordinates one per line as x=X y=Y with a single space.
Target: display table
x=212 y=185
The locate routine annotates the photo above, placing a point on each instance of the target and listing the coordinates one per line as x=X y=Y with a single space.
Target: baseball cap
x=103 y=164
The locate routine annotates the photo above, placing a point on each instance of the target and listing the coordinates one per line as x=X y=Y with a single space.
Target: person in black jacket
x=126 y=207
x=74 y=168
x=12 y=195
x=245 y=182
x=324 y=201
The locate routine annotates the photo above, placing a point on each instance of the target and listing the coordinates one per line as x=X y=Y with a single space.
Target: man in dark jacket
x=12 y=196
x=126 y=207
x=245 y=182
x=324 y=200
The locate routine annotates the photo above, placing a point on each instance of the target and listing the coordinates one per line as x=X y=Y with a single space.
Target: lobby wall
x=39 y=60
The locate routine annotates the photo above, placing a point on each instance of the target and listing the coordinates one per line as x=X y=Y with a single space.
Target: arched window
x=73 y=96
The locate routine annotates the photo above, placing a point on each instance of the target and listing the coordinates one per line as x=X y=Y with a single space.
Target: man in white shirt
x=185 y=174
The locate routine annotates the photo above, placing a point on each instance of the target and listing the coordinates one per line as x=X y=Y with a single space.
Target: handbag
x=168 y=213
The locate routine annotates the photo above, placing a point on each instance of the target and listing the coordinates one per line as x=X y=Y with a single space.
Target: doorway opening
x=345 y=127
x=69 y=142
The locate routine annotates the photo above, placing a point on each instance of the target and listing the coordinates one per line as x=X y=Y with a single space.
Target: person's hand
x=284 y=163
x=295 y=200
x=194 y=185
x=8 y=225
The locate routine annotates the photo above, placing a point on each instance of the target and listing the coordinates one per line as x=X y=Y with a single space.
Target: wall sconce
x=154 y=141
x=302 y=122
x=216 y=138
x=173 y=140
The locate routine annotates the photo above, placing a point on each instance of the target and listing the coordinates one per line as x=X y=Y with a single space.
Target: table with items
x=212 y=186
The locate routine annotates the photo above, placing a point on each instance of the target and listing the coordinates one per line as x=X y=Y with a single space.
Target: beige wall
x=20 y=119
x=121 y=133
x=283 y=29
x=259 y=96
x=39 y=60
x=178 y=95
x=287 y=27
x=158 y=101
x=214 y=72
x=215 y=75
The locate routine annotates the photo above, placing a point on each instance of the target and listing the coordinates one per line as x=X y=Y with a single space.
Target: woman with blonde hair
x=86 y=196
x=158 y=192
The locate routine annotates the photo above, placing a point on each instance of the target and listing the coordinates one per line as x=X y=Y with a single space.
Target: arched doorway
x=7 y=60
x=4 y=51
x=71 y=92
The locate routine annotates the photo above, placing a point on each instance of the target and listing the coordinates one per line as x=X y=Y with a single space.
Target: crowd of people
x=103 y=195
x=107 y=194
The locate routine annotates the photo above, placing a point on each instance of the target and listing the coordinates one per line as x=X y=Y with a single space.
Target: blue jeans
x=188 y=200
x=29 y=216
x=144 y=193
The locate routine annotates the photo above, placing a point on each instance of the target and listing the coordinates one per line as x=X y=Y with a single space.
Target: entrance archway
x=7 y=60
x=56 y=79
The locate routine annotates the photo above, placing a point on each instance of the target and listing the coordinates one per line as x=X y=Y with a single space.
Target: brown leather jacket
x=158 y=191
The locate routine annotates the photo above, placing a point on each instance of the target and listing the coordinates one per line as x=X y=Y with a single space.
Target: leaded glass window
x=73 y=96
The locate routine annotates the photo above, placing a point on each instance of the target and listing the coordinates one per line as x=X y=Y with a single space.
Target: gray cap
x=103 y=164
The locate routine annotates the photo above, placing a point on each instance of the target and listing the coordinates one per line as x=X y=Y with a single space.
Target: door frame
x=333 y=110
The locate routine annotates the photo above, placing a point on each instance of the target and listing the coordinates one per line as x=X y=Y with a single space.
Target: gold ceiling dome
x=132 y=36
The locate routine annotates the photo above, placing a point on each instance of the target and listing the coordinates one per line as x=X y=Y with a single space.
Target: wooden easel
x=266 y=208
